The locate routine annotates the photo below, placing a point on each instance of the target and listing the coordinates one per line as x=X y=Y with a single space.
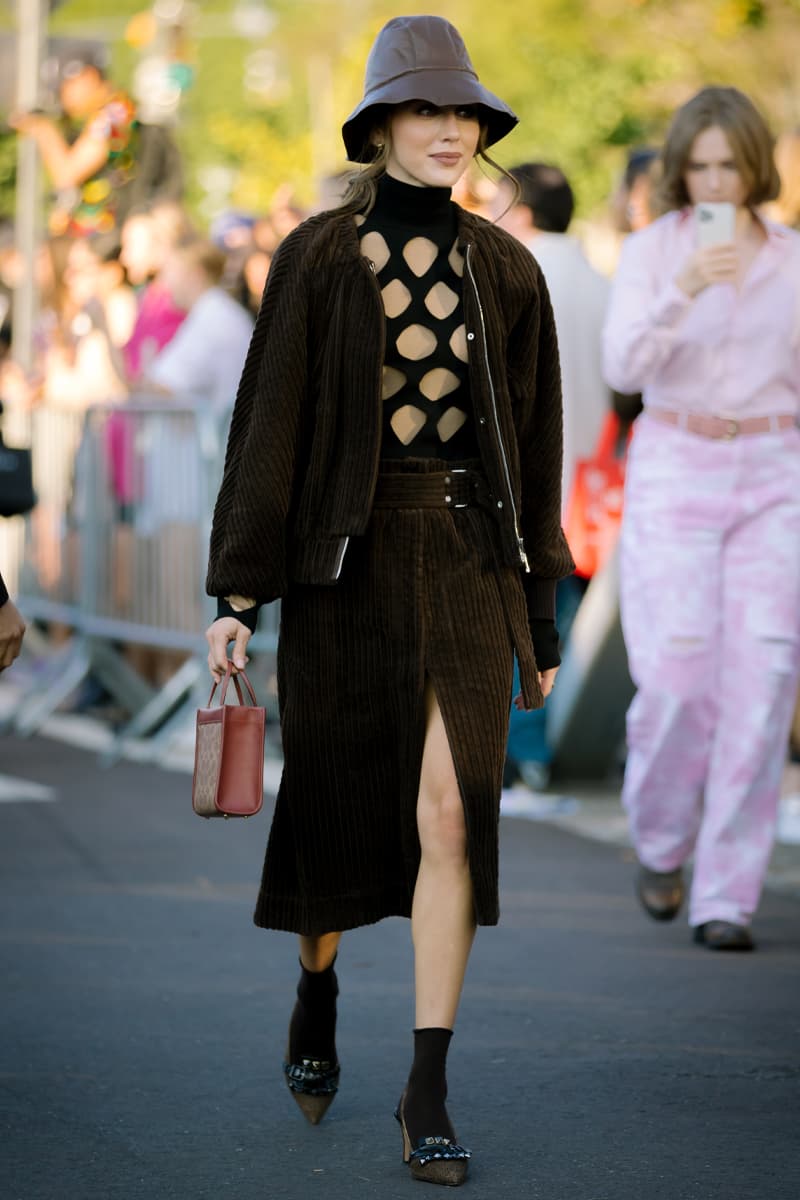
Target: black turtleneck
x=410 y=236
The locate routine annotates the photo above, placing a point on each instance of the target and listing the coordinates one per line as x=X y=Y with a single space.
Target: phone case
x=716 y=223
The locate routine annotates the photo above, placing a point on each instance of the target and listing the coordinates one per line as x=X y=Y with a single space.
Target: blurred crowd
x=138 y=302
x=136 y=298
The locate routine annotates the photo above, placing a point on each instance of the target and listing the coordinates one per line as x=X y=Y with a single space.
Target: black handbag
x=17 y=496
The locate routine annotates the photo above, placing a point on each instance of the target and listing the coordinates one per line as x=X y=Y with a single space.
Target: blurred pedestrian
x=539 y=214
x=632 y=204
x=147 y=237
x=89 y=173
x=711 y=530
x=202 y=362
x=540 y=217
x=12 y=629
x=86 y=365
x=393 y=473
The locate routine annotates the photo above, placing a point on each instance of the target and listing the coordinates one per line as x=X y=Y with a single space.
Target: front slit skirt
x=420 y=598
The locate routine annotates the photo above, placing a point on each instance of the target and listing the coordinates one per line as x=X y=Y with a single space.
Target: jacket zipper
x=343 y=544
x=345 y=541
x=523 y=557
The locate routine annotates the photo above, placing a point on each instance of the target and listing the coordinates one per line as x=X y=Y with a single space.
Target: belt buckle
x=731 y=431
x=456 y=471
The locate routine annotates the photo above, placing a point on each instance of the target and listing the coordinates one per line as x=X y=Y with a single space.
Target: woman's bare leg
x=317 y=953
x=442 y=918
x=443 y=928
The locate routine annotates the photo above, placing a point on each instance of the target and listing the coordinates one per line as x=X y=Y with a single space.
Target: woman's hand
x=218 y=635
x=12 y=631
x=712 y=264
x=27 y=122
x=546 y=679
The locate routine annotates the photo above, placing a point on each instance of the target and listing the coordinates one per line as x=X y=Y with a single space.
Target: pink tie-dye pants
x=710 y=595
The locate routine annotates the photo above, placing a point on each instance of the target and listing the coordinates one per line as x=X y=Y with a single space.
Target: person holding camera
x=704 y=320
x=393 y=473
x=92 y=172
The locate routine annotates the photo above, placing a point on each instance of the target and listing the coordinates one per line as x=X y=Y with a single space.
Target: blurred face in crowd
x=141 y=254
x=516 y=219
x=712 y=173
x=256 y=269
x=184 y=277
x=81 y=91
x=430 y=146
x=82 y=273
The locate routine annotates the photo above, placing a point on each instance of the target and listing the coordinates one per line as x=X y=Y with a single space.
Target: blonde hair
x=362 y=184
x=747 y=132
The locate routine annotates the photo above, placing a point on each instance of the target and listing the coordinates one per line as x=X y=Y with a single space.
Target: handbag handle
x=228 y=677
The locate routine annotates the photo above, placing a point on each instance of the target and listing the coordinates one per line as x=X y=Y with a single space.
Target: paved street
x=598 y=1056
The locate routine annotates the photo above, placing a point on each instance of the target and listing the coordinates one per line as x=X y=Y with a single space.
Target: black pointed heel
x=435 y=1159
x=313 y=1084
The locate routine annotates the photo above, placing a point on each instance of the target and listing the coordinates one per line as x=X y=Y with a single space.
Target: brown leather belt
x=726 y=428
x=454 y=488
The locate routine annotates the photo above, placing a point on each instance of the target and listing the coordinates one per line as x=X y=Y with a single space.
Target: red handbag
x=228 y=776
x=594 y=509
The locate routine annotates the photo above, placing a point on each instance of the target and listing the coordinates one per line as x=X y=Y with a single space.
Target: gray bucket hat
x=421 y=58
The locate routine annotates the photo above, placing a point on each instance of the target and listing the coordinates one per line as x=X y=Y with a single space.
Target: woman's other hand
x=546 y=680
x=218 y=635
x=12 y=631
x=711 y=264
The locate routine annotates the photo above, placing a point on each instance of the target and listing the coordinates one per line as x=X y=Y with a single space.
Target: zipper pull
x=523 y=556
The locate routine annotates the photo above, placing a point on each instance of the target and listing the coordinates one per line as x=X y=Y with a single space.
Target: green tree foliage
x=588 y=78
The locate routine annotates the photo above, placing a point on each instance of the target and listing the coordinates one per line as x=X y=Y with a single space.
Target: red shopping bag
x=594 y=509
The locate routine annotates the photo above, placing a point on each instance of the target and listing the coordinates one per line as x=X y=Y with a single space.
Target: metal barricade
x=116 y=553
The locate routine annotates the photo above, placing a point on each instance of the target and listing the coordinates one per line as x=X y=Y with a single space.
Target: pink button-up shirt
x=732 y=351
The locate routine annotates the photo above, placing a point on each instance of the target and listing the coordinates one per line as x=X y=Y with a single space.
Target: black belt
x=455 y=488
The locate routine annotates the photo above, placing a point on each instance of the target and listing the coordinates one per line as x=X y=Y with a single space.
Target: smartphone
x=716 y=223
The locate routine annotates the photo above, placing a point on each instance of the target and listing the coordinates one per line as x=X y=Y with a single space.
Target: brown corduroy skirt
x=419 y=599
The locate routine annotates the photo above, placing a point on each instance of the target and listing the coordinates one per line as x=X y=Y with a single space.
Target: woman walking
x=393 y=474
x=711 y=531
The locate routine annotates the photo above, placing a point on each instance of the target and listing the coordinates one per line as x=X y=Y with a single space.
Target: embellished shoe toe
x=313 y=1084
x=435 y=1159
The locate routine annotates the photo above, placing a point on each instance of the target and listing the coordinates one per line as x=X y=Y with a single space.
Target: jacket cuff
x=247 y=616
x=545 y=644
x=540 y=597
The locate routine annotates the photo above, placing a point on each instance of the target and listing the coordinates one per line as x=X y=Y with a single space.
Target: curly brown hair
x=750 y=140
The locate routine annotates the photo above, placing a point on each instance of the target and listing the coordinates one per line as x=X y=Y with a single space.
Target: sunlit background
x=257 y=90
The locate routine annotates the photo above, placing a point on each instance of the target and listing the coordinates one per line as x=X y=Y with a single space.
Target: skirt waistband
x=456 y=487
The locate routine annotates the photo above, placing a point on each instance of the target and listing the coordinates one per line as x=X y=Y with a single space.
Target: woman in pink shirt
x=708 y=329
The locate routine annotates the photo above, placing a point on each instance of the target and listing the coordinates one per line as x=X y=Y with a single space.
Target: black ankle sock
x=312 y=1030
x=426 y=1091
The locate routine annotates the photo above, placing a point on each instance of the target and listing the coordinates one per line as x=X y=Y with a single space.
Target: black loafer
x=660 y=892
x=724 y=935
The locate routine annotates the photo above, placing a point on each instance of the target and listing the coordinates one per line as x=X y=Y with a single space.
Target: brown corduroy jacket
x=304 y=442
